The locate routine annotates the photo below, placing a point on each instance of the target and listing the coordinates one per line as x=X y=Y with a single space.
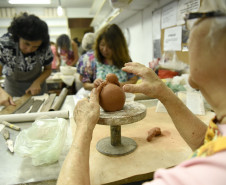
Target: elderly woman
x=24 y=52
x=86 y=66
x=207 y=73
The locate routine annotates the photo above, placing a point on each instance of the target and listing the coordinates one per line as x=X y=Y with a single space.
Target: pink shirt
x=196 y=171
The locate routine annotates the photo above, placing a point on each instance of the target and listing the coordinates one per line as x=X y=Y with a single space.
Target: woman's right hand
x=151 y=84
x=5 y=98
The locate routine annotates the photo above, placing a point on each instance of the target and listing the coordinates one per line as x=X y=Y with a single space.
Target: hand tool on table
x=12 y=126
x=48 y=103
x=9 y=142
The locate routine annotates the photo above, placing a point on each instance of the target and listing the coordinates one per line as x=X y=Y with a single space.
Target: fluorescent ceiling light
x=59 y=11
x=29 y=1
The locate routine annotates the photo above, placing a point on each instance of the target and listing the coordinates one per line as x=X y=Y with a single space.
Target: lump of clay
x=112 y=96
x=156 y=131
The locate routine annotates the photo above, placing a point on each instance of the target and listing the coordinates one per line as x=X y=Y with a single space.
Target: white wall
x=140 y=27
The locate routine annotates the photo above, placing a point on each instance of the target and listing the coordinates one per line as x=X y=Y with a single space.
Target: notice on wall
x=156 y=26
x=169 y=15
x=186 y=6
x=172 y=39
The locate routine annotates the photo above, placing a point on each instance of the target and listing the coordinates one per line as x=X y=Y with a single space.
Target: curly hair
x=116 y=41
x=31 y=28
x=63 y=41
x=88 y=41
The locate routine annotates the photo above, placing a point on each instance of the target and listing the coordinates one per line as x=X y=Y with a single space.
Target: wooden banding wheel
x=115 y=145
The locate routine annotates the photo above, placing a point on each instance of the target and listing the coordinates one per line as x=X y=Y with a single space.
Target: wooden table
x=162 y=152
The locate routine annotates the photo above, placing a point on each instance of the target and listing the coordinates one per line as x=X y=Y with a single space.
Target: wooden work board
x=163 y=151
x=18 y=103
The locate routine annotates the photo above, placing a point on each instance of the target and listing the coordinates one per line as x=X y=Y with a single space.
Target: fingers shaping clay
x=112 y=96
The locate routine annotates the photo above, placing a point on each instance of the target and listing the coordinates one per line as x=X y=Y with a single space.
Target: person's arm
x=58 y=57
x=5 y=98
x=75 y=169
x=35 y=87
x=75 y=51
x=190 y=127
x=132 y=80
x=88 y=86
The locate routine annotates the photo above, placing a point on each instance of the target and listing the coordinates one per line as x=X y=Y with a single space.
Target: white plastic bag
x=43 y=141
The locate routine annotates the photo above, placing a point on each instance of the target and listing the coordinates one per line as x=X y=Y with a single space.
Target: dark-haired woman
x=111 y=53
x=25 y=58
x=67 y=51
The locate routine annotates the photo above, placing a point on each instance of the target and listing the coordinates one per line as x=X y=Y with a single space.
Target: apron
x=19 y=81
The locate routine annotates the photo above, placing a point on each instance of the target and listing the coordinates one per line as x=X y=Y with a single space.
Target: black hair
x=77 y=41
x=63 y=41
x=31 y=28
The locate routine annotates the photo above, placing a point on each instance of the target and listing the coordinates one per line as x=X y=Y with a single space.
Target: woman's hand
x=87 y=111
x=151 y=84
x=5 y=98
x=34 y=89
x=97 y=82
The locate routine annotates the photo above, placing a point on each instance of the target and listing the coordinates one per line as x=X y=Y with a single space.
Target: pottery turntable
x=117 y=145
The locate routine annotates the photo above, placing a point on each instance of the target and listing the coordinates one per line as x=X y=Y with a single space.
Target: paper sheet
x=169 y=15
x=172 y=39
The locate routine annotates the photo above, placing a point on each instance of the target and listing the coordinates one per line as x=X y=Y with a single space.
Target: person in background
x=67 y=51
x=55 y=63
x=112 y=53
x=81 y=51
x=86 y=66
x=207 y=165
x=25 y=58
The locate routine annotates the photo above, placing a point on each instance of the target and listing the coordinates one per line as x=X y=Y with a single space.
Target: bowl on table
x=68 y=70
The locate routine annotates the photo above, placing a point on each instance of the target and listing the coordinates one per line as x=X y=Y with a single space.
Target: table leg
x=116 y=145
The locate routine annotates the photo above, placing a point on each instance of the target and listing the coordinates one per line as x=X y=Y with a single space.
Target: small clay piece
x=156 y=131
x=112 y=96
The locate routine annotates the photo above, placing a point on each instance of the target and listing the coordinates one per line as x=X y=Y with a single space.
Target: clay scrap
x=156 y=131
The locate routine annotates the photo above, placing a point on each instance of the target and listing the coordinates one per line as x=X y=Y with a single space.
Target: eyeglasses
x=191 y=18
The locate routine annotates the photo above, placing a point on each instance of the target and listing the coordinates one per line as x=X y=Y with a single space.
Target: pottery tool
x=48 y=103
x=25 y=107
x=19 y=103
x=9 y=142
x=116 y=145
x=36 y=105
x=14 y=127
x=1 y=127
x=17 y=118
x=60 y=100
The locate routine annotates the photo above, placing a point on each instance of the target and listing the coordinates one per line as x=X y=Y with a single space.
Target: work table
x=164 y=151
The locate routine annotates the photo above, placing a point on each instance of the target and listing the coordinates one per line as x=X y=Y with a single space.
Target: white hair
x=88 y=41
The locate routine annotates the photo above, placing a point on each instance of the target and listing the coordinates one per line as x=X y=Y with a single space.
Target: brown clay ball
x=112 y=96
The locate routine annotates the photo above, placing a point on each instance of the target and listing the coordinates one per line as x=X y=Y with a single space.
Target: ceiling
x=54 y=3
